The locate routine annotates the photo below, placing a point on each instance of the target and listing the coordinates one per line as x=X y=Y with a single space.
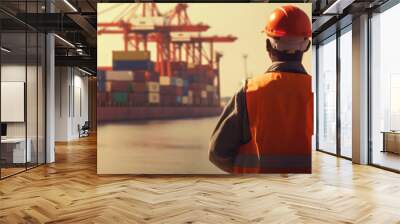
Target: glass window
x=346 y=93
x=22 y=91
x=14 y=151
x=314 y=82
x=385 y=87
x=327 y=96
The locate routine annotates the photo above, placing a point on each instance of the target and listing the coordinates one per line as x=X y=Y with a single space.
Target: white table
x=19 y=155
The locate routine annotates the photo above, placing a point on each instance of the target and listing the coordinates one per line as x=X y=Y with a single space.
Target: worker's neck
x=280 y=56
x=287 y=66
x=286 y=61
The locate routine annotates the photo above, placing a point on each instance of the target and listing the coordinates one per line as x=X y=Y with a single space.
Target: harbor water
x=156 y=147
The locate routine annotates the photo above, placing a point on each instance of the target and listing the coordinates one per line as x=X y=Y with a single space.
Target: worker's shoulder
x=264 y=80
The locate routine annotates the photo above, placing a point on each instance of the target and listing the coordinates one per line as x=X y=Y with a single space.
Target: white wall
x=71 y=94
x=33 y=127
x=81 y=97
x=62 y=81
x=16 y=73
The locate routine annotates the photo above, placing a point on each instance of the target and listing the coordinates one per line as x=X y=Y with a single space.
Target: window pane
x=346 y=93
x=41 y=99
x=327 y=96
x=22 y=76
x=13 y=147
x=314 y=80
x=15 y=151
x=385 y=89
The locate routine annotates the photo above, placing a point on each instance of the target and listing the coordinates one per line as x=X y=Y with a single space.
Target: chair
x=84 y=130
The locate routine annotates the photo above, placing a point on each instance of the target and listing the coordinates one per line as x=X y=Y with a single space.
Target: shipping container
x=153 y=87
x=185 y=100
x=101 y=85
x=176 y=81
x=204 y=102
x=190 y=100
x=198 y=78
x=118 y=86
x=133 y=65
x=179 y=82
x=203 y=94
x=178 y=91
x=108 y=86
x=131 y=55
x=185 y=83
x=139 y=87
x=210 y=102
x=138 y=99
x=154 y=98
x=178 y=100
x=101 y=75
x=185 y=91
x=140 y=76
x=196 y=87
x=210 y=88
x=119 y=76
x=119 y=98
x=211 y=95
x=167 y=100
x=196 y=100
x=165 y=80
x=103 y=99
x=167 y=90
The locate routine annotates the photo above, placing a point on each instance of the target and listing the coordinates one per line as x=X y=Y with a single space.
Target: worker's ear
x=268 y=45
x=308 y=46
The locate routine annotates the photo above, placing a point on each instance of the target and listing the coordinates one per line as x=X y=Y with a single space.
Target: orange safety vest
x=280 y=115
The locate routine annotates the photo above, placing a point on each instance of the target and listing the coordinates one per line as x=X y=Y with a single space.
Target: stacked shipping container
x=133 y=82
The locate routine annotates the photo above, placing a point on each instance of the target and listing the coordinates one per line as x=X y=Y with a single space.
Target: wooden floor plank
x=69 y=191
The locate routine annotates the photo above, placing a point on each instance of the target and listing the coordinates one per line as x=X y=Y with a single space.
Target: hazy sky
x=243 y=20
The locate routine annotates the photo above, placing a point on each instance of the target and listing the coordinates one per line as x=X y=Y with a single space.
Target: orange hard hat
x=288 y=21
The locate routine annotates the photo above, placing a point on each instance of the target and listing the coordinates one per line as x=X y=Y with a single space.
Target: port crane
x=173 y=33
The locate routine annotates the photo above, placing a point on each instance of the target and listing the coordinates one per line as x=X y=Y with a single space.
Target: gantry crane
x=152 y=26
x=194 y=44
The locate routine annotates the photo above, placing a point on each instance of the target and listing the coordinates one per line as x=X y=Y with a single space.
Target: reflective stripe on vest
x=280 y=116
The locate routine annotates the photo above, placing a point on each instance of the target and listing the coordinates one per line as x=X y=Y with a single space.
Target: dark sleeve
x=231 y=132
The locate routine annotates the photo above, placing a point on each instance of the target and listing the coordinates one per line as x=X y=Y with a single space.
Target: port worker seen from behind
x=268 y=125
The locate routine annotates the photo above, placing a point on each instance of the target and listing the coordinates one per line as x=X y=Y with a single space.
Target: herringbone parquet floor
x=69 y=191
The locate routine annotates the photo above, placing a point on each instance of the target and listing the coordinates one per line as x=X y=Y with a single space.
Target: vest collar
x=287 y=66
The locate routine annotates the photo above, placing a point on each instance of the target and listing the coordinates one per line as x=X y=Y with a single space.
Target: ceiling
x=75 y=21
x=331 y=15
